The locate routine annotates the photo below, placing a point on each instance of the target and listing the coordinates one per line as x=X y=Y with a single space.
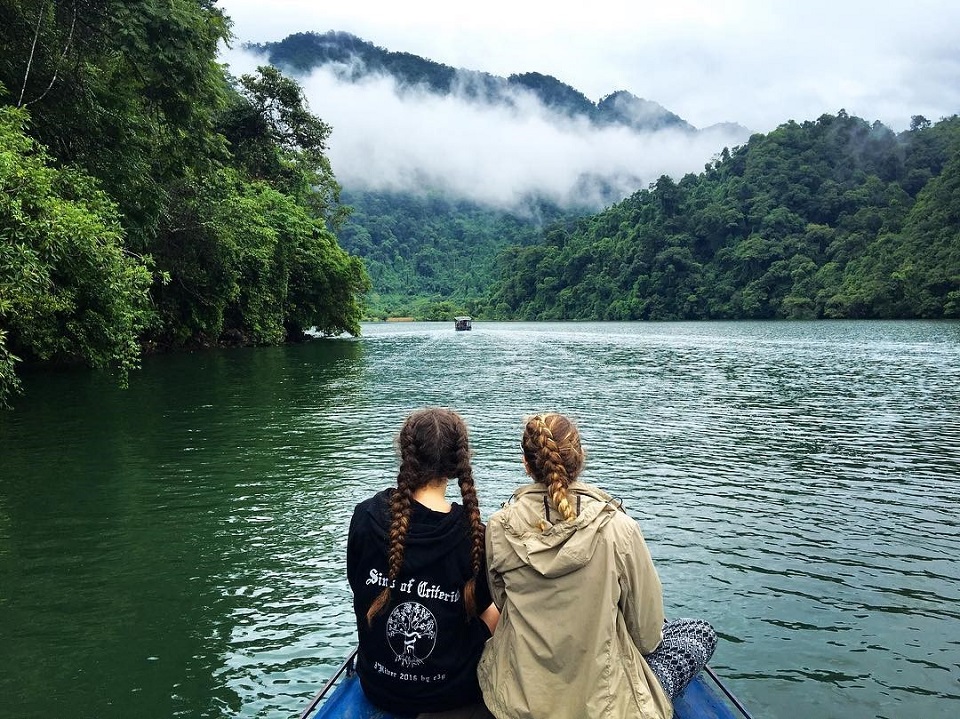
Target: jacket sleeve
x=494 y=579
x=641 y=596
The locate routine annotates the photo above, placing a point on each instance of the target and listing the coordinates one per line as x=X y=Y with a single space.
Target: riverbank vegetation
x=149 y=200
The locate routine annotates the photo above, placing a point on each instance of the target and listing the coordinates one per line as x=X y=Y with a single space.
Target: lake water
x=176 y=549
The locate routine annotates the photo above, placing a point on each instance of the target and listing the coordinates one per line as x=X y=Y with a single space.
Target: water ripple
x=796 y=483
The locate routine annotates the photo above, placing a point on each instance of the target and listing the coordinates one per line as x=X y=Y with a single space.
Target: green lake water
x=176 y=549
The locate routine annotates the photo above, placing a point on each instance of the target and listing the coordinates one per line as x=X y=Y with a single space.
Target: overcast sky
x=758 y=63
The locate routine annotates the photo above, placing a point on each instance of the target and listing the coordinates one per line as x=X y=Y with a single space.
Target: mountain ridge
x=352 y=59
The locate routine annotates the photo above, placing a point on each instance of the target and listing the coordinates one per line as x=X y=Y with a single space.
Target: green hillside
x=821 y=219
x=431 y=256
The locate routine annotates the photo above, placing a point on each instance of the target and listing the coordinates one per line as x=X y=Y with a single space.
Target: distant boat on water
x=462 y=323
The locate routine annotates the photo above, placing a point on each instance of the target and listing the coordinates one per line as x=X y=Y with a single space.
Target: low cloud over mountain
x=494 y=140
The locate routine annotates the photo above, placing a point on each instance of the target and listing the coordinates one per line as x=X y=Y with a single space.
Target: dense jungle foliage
x=833 y=218
x=431 y=256
x=148 y=199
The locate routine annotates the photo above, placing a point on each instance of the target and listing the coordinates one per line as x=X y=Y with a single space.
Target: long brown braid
x=471 y=506
x=433 y=445
x=551 y=447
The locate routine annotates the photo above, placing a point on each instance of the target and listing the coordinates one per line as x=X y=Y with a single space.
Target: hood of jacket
x=434 y=534
x=534 y=536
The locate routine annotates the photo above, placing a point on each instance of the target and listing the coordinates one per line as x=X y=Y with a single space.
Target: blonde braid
x=552 y=471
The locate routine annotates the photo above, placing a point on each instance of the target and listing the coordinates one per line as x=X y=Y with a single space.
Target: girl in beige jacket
x=581 y=632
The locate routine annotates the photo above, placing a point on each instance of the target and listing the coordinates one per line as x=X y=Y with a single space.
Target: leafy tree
x=69 y=291
x=276 y=138
x=930 y=259
x=144 y=156
x=126 y=89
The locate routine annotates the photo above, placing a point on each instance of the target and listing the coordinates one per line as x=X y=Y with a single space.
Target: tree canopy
x=150 y=199
x=833 y=218
x=431 y=256
x=69 y=290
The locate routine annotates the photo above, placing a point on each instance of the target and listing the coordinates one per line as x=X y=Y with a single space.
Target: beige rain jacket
x=580 y=602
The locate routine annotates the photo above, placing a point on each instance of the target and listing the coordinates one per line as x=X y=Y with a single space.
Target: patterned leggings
x=686 y=648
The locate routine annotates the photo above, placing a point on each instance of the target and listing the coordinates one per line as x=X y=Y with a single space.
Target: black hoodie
x=421 y=652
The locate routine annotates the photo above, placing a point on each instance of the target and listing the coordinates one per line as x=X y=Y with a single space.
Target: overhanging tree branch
x=33 y=48
x=56 y=70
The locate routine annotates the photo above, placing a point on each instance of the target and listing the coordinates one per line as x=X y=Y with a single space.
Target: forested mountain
x=353 y=59
x=821 y=219
x=836 y=217
x=432 y=256
x=425 y=250
x=147 y=199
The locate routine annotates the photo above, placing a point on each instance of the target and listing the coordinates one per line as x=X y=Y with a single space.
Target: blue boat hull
x=698 y=701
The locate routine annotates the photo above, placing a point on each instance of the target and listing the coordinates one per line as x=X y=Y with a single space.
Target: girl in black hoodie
x=415 y=563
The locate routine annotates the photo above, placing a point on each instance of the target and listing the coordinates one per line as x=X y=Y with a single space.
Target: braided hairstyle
x=551 y=448
x=433 y=444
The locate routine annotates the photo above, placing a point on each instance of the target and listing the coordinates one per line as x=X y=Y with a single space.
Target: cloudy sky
x=754 y=62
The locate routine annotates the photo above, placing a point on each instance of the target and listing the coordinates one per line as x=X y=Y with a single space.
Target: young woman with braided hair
x=415 y=563
x=582 y=632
